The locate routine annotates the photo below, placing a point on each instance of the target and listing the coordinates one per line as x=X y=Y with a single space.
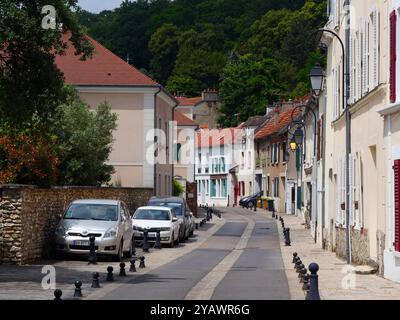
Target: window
x=178 y=153
x=358 y=66
x=278 y=153
x=285 y=152
x=396 y=169
x=213 y=192
x=393 y=56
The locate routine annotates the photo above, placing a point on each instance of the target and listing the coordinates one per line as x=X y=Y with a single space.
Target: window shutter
x=393 y=55
x=337 y=13
x=334 y=90
x=374 y=51
x=344 y=190
x=319 y=140
x=365 y=59
x=352 y=69
x=352 y=185
x=359 y=182
x=358 y=67
x=397 y=205
x=339 y=192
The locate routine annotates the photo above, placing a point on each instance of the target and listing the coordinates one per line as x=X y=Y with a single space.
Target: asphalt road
x=256 y=273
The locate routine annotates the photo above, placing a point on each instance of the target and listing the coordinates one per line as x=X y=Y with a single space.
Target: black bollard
x=287 y=237
x=122 y=272
x=142 y=265
x=133 y=267
x=92 y=251
x=197 y=226
x=298 y=264
x=146 y=245
x=300 y=268
x=297 y=260
x=157 y=245
x=300 y=275
x=78 y=289
x=303 y=274
x=255 y=206
x=273 y=213
x=314 y=291
x=57 y=295
x=95 y=280
x=306 y=282
x=110 y=276
x=294 y=257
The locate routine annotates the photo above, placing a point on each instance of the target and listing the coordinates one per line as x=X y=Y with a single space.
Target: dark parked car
x=181 y=210
x=250 y=201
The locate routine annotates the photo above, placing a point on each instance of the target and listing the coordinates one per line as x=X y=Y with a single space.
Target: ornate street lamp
x=297 y=139
x=317 y=77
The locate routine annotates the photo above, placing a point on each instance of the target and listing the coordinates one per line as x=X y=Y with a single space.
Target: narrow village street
x=240 y=256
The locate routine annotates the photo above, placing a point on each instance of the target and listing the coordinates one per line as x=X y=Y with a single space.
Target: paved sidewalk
x=333 y=271
x=25 y=282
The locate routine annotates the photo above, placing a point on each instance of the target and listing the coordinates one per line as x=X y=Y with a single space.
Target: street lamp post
x=345 y=94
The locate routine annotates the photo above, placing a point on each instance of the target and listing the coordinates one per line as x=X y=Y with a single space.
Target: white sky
x=96 y=6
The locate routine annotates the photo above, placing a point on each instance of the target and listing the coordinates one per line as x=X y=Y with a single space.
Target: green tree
x=164 y=46
x=177 y=188
x=85 y=139
x=199 y=61
x=247 y=87
x=30 y=82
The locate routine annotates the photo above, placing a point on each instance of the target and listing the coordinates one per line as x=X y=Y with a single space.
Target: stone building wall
x=29 y=216
x=359 y=245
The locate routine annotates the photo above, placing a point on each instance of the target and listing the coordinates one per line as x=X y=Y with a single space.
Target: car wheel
x=250 y=205
x=120 y=255
x=172 y=243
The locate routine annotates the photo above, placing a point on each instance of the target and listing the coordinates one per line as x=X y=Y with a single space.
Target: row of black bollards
x=110 y=277
x=309 y=281
x=286 y=231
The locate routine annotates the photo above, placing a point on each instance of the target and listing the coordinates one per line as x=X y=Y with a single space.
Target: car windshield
x=176 y=207
x=101 y=212
x=151 y=214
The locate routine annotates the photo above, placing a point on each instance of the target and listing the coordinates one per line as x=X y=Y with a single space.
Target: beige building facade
x=142 y=149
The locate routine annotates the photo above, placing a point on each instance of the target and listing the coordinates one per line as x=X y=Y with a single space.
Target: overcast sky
x=96 y=6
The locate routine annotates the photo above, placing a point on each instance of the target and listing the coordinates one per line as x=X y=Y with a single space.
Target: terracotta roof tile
x=272 y=126
x=183 y=101
x=217 y=137
x=105 y=68
x=182 y=120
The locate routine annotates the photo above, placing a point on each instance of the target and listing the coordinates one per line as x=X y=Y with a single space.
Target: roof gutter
x=155 y=127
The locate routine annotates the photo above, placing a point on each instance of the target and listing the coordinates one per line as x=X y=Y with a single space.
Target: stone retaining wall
x=30 y=215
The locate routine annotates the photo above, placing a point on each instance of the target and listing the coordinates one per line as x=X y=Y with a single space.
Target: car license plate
x=152 y=235
x=81 y=243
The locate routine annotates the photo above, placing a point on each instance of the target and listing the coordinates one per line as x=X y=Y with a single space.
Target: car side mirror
x=174 y=219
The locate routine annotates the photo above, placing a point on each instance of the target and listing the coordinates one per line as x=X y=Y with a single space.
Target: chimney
x=210 y=95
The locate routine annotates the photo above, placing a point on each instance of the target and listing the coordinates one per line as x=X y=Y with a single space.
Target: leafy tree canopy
x=30 y=83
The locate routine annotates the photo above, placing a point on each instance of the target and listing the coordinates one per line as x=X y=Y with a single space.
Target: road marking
x=204 y=290
x=157 y=259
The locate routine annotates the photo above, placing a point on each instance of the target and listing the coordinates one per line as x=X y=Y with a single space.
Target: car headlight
x=111 y=233
x=60 y=231
x=136 y=228
x=165 y=229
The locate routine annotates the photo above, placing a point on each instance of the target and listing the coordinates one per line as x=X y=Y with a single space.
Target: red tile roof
x=105 y=68
x=184 y=121
x=272 y=126
x=217 y=137
x=183 y=101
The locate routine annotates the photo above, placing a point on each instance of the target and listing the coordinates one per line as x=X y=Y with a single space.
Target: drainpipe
x=348 y=129
x=173 y=145
x=155 y=127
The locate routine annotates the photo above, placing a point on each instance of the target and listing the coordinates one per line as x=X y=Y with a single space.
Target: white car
x=153 y=219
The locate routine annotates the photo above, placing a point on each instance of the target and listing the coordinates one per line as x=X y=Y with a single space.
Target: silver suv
x=108 y=220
